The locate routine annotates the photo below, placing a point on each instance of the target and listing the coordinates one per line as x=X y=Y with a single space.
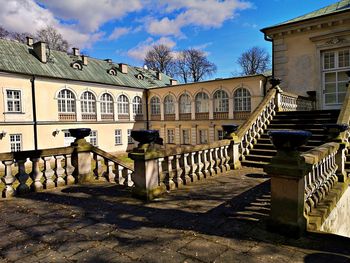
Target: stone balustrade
x=34 y=171
x=164 y=169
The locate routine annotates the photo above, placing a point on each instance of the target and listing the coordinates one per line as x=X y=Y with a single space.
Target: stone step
x=314 y=113
x=263 y=158
x=302 y=120
x=257 y=164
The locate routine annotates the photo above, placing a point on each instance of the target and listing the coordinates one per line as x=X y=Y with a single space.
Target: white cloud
x=202 y=13
x=139 y=52
x=118 y=32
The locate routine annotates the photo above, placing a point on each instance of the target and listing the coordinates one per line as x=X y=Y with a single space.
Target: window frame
x=155 y=105
x=123 y=105
x=170 y=136
x=220 y=103
x=169 y=104
x=200 y=132
x=202 y=102
x=130 y=139
x=107 y=105
x=93 y=138
x=183 y=136
x=137 y=105
x=118 y=138
x=16 y=146
x=88 y=104
x=185 y=106
x=13 y=101
x=242 y=102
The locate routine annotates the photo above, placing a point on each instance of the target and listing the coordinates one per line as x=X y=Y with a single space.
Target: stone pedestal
x=287 y=170
x=233 y=153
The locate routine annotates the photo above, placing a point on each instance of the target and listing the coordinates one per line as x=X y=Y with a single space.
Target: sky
x=124 y=30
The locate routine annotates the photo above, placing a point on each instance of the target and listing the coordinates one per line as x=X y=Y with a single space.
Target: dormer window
x=140 y=76
x=77 y=65
x=112 y=72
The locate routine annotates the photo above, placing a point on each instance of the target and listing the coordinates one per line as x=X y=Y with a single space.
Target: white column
x=211 y=109
x=230 y=108
x=162 y=111
x=78 y=110
x=131 y=113
x=98 y=110
x=176 y=105
x=115 y=105
x=193 y=110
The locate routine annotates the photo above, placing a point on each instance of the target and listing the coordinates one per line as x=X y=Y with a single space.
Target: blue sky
x=124 y=30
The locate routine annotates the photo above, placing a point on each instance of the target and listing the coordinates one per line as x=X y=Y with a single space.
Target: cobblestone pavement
x=221 y=219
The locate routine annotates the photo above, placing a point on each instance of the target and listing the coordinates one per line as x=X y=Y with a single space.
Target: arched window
x=88 y=103
x=123 y=105
x=185 y=103
x=242 y=100
x=137 y=105
x=169 y=105
x=202 y=102
x=66 y=101
x=155 y=105
x=220 y=101
x=107 y=104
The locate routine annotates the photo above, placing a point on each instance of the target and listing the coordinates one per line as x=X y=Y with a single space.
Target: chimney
x=30 y=41
x=173 y=82
x=159 y=75
x=40 y=51
x=123 y=68
x=76 y=51
x=108 y=60
x=84 y=59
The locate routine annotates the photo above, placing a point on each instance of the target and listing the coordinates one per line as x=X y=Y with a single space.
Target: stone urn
x=334 y=130
x=274 y=82
x=289 y=140
x=80 y=133
x=146 y=138
x=229 y=129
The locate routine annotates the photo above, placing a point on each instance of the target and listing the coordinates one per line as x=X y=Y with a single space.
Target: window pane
x=330 y=98
x=330 y=77
x=330 y=88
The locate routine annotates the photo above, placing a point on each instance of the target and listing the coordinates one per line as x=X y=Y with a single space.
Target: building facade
x=47 y=92
x=311 y=53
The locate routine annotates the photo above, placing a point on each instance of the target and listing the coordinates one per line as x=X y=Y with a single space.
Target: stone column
x=194 y=134
x=193 y=109
x=287 y=171
x=176 y=105
x=131 y=112
x=98 y=110
x=115 y=105
x=230 y=108
x=211 y=109
x=178 y=134
x=78 y=109
x=211 y=133
x=340 y=159
x=81 y=157
x=233 y=153
x=162 y=111
x=146 y=174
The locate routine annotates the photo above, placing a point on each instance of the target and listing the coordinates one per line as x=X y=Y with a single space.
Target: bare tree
x=193 y=65
x=53 y=38
x=254 y=61
x=3 y=32
x=160 y=58
x=21 y=37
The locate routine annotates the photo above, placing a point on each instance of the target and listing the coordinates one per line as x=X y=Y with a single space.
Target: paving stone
x=203 y=250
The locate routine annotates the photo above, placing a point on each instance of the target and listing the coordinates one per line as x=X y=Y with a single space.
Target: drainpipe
x=273 y=55
x=32 y=80
x=147 y=115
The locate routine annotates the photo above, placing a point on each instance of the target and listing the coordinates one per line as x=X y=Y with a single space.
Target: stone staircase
x=312 y=121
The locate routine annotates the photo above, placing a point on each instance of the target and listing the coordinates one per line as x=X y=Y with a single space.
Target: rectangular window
x=13 y=98
x=203 y=136
x=220 y=135
x=171 y=135
x=93 y=138
x=130 y=140
x=186 y=136
x=16 y=142
x=68 y=139
x=118 y=136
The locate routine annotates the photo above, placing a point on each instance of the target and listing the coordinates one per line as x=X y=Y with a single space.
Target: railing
x=322 y=177
x=88 y=117
x=241 y=115
x=107 y=117
x=288 y=101
x=123 y=116
x=138 y=117
x=110 y=168
x=305 y=103
x=185 y=116
x=251 y=130
x=169 y=117
x=33 y=171
x=220 y=115
x=344 y=118
x=202 y=115
x=155 y=117
x=67 y=116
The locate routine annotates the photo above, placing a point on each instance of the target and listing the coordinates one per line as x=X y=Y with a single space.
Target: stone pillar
x=194 y=134
x=178 y=134
x=78 y=110
x=162 y=111
x=176 y=105
x=131 y=112
x=211 y=133
x=81 y=157
x=211 y=109
x=230 y=108
x=193 y=109
x=115 y=105
x=98 y=110
x=340 y=159
x=287 y=171
x=233 y=153
x=146 y=174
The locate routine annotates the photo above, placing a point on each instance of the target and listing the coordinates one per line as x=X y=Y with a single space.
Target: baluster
x=227 y=158
x=170 y=178
x=206 y=163
x=129 y=181
x=22 y=177
x=185 y=177
x=200 y=165
x=98 y=171
x=211 y=163
x=69 y=168
x=8 y=180
x=59 y=171
x=161 y=173
x=217 y=161
x=121 y=179
x=48 y=173
x=223 y=160
x=109 y=174
x=179 y=171
x=36 y=175
x=194 y=167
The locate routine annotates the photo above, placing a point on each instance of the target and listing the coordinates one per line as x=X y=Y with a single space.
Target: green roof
x=17 y=57
x=340 y=6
